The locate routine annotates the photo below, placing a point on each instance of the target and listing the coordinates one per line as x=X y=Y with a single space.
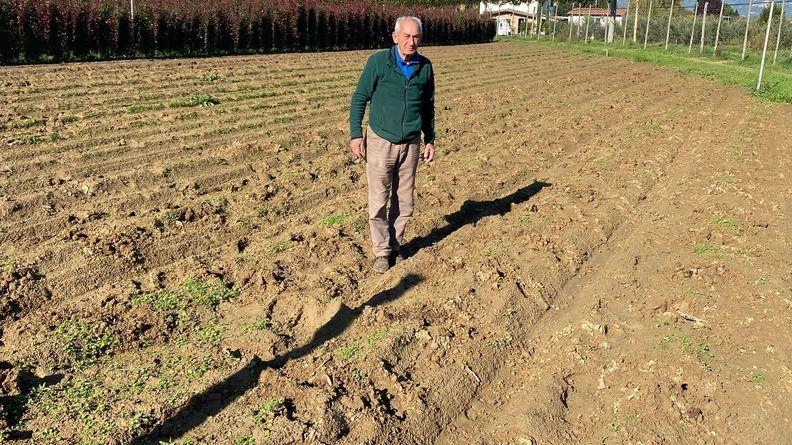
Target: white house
x=510 y=16
x=598 y=15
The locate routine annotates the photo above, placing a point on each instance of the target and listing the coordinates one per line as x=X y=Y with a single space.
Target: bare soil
x=600 y=254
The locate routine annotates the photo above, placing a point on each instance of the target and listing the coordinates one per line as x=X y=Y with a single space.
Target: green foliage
x=725 y=66
x=349 y=351
x=729 y=223
x=334 y=220
x=708 y=250
x=269 y=410
x=195 y=100
x=84 y=343
x=192 y=293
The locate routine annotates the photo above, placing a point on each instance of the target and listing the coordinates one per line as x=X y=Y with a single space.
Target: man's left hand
x=429 y=153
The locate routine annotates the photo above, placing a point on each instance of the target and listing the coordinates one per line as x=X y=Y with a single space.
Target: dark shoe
x=381 y=264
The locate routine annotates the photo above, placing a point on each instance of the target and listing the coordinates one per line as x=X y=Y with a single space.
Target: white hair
x=408 y=17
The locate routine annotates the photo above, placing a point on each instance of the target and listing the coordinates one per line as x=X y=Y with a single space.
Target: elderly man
x=399 y=83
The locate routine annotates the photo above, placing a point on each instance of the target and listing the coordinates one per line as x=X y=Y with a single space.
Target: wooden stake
x=747 y=21
x=539 y=30
x=648 y=19
x=703 y=27
x=635 y=24
x=624 y=24
x=764 y=50
x=588 y=19
x=570 y=23
x=780 y=26
x=580 y=19
x=693 y=30
x=668 y=29
x=555 y=20
x=717 y=33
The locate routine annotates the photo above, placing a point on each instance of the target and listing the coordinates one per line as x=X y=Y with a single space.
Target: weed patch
x=729 y=223
x=196 y=100
x=83 y=343
x=334 y=220
x=708 y=250
x=192 y=293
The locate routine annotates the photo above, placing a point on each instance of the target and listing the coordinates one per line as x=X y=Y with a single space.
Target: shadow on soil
x=207 y=404
x=472 y=212
x=216 y=398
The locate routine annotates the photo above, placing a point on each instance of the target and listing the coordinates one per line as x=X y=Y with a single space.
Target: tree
x=766 y=14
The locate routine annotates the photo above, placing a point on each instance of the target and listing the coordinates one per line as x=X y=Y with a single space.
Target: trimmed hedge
x=52 y=30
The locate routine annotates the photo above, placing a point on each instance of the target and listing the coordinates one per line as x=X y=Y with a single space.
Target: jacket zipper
x=404 y=104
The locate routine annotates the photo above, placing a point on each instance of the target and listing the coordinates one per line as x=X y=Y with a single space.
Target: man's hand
x=429 y=153
x=358 y=147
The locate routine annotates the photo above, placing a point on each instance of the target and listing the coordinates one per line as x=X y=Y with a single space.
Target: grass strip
x=725 y=66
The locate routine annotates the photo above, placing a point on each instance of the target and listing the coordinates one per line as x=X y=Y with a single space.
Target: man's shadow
x=207 y=403
x=470 y=213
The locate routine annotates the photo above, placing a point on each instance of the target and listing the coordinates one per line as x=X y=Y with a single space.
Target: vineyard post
x=580 y=21
x=703 y=24
x=747 y=21
x=132 y=23
x=693 y=29
x=624 y=24
x=668 y=29
x=588 y=19
x=764 y=50
x=648 y=19
x=717 y=33
x=570 y=23
x=780 y=26
x=555 y=20
x=539 y=30
x=635 y=24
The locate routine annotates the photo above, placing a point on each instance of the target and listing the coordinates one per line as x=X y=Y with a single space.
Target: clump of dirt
x=23 y=287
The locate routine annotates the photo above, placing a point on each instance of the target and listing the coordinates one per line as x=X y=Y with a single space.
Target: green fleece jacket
x=400 y=108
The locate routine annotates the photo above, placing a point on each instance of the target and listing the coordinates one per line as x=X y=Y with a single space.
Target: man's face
x=407 y=38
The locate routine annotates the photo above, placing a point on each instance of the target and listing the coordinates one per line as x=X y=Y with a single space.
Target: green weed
x=35 y=139
x=25 y=123
x=134 y=109
x=269 y=410
x=708 y=250
x=245 y=440
x=84 y=343
x=192 y=293
x=210 y=78
x=210 y=335
x=195 y=100
x=729 y=223
x=334 y=220
x=348 y=352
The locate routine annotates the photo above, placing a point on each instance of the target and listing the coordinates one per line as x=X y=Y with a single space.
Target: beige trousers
x=390 y=169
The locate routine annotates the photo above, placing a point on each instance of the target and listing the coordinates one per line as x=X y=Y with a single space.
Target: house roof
x=510 y=12
x=620 y=12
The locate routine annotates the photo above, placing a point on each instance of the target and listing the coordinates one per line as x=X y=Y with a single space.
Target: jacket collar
x=394 y=52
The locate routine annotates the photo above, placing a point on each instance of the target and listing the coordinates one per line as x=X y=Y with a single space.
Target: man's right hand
x=357 y=146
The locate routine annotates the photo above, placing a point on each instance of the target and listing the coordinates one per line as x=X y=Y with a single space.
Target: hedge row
x=52 y=30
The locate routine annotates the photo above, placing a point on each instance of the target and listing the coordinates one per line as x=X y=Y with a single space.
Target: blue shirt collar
x=401 y=62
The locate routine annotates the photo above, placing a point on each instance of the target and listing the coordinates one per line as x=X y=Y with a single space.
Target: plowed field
x=600 y=254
